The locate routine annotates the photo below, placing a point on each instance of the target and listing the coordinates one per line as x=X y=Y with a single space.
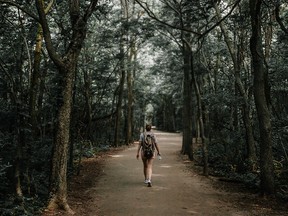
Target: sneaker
x=146 y=181
x=149 y=184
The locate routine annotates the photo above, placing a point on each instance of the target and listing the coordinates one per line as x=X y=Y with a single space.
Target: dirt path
x=120 y=190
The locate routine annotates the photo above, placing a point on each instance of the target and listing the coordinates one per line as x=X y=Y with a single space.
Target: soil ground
x=112 y=184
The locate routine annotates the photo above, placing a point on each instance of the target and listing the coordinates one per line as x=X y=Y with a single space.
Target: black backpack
x=148 y=145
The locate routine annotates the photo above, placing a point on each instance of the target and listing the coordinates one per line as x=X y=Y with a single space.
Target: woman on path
x=147 y=161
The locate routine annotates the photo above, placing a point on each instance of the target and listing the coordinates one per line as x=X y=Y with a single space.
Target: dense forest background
x=79 y=77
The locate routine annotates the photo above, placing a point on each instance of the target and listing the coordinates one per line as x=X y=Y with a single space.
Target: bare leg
x=145 y=163
x=149 y=168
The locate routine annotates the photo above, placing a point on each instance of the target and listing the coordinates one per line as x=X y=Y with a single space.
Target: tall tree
x=237 y=59
x=130 y=76
x=66 y=66
x=131 y=70
x=36 y=74
x=262 y=99
x=122 y=71
x=187 y=100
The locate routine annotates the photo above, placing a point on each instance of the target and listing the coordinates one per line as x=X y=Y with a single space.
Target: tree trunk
x=17 y=102
x=42 y=86
x=131 y=58
x=187 y=107
x=58 y=182
x=261 y=100
x=119 y=109
x=251 y=157
x=66 y=67
x=122 y=69
x=19 y=159
x=34 y=84
x=88 y=102
x=201 y=121
x=119 y=96
x=35 y=77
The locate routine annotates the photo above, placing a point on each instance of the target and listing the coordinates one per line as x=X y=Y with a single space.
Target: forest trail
x=176 y=190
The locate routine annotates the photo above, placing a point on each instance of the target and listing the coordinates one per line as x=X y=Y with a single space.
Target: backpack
x=148 y=145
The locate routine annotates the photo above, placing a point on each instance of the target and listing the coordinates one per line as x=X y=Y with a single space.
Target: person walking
x=145 y=148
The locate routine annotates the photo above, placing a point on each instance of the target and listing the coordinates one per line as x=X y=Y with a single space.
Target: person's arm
x=156 y=146
x=139 y=147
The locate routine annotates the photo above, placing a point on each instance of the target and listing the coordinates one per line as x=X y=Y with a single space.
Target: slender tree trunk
x=19 y=159
x=42 y=86
x=119 y=108
x=201 y=121
x=122 y=76
x=119 y=97
x=130 y=71
x=129 y=108
x=187 y=108
x=17 y=101
x=262 y=100
x=88 y=107
x=130 y=97
x=35 y=77
x=252 y=158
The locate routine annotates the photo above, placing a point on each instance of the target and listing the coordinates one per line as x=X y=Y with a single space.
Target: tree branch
x=153 y=16
x=221 y=20
x=90 y=9
x=47 y=35
x=200 y=35
x=279 y=20
x=29 y=13
x=49 y=6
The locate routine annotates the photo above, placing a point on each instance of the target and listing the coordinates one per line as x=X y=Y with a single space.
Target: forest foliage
x=163 y=62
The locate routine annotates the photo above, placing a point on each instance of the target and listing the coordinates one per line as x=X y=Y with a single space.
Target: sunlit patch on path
x=165 y=166
x=116 y=156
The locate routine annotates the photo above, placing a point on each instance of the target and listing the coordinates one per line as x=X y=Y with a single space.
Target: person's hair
x=148 y=127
